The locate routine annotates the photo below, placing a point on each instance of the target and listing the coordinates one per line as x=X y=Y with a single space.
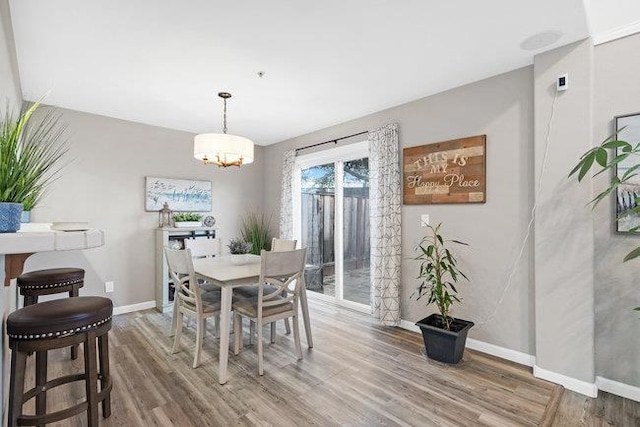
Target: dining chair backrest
x=201 y=248
x=279 y=245
x=280 y=269
x=183 y=275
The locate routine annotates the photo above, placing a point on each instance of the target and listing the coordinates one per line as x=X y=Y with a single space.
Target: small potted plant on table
x=187 y=219
x=239 y=250
x=444 y=336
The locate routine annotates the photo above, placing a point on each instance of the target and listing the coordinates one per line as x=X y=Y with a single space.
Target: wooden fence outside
x=318 y=217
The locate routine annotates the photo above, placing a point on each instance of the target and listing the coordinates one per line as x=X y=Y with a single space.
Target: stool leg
x=105 y=377
x=74 y=292
x=41 y=379
x=16 y=386
x=91 y=378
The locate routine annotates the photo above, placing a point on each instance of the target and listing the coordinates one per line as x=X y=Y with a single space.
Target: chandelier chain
x=224 y=127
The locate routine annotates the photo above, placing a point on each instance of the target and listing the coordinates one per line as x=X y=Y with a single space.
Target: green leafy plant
x=438 y=273
x=31 y=150
x=238 y=246
x=256 y=230
x=187 y=217
x=602 y=160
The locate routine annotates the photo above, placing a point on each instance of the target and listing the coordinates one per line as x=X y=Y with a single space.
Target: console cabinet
x=173 y=238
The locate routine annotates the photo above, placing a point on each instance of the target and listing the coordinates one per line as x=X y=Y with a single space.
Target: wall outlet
x=424 y=220
x=108 y=287
x=562 y=82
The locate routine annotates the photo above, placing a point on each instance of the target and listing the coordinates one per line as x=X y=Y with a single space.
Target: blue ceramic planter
x=10 y=214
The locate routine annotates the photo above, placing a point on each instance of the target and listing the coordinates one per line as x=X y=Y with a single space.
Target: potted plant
x=607 y=156
x=256 y=231
x=187 y=219
x=239 y=249
x=444 y=336
x=30 y=155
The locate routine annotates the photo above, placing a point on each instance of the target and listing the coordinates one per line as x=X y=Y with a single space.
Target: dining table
x=227 y=273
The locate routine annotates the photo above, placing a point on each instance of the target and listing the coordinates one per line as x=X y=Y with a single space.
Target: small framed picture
x=627 y=128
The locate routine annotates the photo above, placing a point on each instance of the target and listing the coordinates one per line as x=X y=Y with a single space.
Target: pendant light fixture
x=222 y=149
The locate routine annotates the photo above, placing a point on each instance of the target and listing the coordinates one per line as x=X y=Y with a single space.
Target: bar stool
x=51 y=281
x=56 y=324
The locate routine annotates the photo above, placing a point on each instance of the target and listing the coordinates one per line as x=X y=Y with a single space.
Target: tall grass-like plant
x=256 y=231
x=31 y=151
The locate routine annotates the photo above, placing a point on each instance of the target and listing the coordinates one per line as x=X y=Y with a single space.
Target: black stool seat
x=50 y=278
x=51 y=281
x=57 y=318
x=50 y=325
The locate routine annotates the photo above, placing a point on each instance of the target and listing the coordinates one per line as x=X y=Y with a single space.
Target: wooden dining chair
x=189 y=299
x=282 y=271
x=203 y=248
x=206 y=248
x=277 y=245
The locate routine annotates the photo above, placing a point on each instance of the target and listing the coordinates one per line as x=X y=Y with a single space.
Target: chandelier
x=223 y=149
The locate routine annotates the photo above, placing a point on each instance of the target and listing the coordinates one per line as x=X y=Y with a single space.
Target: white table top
x=38 y=237
x=225 y=272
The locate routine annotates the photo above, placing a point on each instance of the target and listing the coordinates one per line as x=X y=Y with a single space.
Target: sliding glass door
x=331 y=219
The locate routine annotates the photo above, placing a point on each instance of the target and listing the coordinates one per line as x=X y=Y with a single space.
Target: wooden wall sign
x=445 y=172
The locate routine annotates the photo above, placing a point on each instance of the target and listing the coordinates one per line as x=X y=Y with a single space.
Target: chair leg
x=216 y=325
x=296 y=336
x=287 y=327
x=237 y=333
x=200 y=328
x=105 y=376
x=41 y=379
x=174 y=317
x=74 y=292
x=91 y=380
x=16 y=386
x=178 y=333
x=252 y=330
x=259 y=339
x=273 y=332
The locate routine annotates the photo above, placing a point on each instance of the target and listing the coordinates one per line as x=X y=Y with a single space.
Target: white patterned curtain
x=386 y=212
x=286 y=195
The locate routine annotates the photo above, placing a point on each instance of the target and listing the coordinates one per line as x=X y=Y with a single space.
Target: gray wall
x=104 y=184
x=563 y=225
x=9 y=80
x=10 y=95
x=617 y=92
x=502 y=108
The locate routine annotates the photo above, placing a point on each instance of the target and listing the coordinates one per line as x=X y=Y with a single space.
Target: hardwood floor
x=358 y=374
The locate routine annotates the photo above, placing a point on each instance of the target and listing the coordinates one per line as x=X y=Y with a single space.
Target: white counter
x=38 y=237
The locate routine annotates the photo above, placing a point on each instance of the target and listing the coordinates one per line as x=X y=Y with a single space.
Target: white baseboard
x=502 y=352
x=621 y=389
x=492 y=349
x=133 y=307
x=409 y=326
x=570 y=383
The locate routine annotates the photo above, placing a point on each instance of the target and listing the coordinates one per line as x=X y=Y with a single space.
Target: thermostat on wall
x=562 y=82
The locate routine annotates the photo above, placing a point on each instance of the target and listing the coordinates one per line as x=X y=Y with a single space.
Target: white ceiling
x=162 y=62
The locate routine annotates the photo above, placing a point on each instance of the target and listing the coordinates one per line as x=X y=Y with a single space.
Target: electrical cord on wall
x=533 y=216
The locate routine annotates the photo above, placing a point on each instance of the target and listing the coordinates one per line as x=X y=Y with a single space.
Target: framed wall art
x=445 y=172
x=180 y=194
x=627 y=128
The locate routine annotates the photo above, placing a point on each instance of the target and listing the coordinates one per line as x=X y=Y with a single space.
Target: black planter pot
x=442 y=345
